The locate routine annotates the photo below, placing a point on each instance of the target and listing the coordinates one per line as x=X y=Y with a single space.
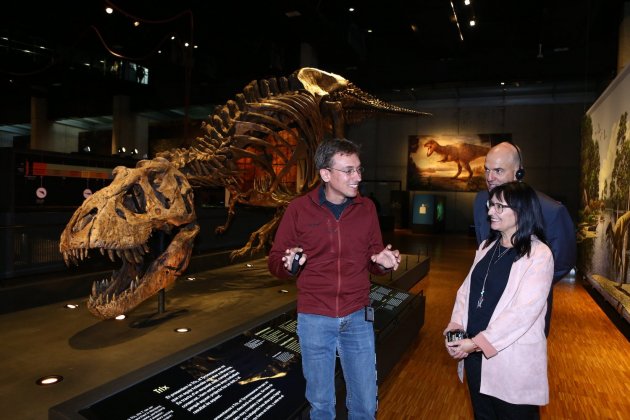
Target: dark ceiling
x=411 y=44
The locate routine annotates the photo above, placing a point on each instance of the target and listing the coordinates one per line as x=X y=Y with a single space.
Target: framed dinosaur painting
x=449 y=162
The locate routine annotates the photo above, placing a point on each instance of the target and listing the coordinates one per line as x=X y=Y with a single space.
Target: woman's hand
x=461 y=348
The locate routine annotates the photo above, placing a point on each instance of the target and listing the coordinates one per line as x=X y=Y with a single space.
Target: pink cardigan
x=514 y=368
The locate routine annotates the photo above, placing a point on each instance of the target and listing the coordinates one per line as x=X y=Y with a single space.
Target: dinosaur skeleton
x=255 y=146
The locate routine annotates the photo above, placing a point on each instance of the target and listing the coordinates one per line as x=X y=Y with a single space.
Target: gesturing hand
x=387 y=258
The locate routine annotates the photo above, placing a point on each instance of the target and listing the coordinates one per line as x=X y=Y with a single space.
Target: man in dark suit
x=504 y=164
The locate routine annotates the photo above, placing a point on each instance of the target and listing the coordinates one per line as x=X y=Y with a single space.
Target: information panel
x=387 y=303
x=255 y=375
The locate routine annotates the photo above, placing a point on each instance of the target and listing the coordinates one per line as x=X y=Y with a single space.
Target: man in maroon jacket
x=338 y=234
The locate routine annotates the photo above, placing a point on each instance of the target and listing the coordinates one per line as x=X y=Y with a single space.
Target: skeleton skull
x=119 y=220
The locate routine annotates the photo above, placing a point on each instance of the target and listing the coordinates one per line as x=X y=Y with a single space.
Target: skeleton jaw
x=133 y=283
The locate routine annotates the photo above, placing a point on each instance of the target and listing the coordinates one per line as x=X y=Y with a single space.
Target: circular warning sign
x=87 y=192
x=41 y=192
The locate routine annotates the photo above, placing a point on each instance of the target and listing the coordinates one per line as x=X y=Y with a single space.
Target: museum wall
x=548 y=134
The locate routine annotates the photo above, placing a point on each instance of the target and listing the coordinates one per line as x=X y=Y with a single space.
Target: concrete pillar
x=308 y=56
x=120 y=124
x=128 y=130
x=40 y=126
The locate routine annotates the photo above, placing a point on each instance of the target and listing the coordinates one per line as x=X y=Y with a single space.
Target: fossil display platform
x=99 y=359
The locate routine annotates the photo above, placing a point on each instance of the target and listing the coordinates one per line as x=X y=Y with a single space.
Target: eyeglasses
x=498 y=207
x=350 y=171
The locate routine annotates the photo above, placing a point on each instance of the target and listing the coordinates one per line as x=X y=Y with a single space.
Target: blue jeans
x=352 y=337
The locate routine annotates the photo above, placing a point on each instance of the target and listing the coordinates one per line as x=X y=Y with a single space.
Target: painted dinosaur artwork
x=259 y=147
x=460 y=153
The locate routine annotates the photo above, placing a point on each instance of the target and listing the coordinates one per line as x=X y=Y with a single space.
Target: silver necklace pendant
x=483 y=287
x=501 y=254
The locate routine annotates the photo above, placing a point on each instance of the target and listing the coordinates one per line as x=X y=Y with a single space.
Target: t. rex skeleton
x=255 y=146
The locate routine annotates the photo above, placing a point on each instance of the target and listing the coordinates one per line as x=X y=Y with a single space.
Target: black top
x=478 y=318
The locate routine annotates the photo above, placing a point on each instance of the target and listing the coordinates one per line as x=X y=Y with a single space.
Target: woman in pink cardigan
x=501 y=309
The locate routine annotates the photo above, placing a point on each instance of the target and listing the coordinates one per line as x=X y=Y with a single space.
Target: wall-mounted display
x=604 y=217
x=449 y=162
x=427 y=213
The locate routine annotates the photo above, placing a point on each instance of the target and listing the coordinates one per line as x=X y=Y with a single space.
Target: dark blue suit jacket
x=559 y=230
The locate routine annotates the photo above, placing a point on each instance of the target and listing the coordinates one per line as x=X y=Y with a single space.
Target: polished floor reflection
x=589 y=358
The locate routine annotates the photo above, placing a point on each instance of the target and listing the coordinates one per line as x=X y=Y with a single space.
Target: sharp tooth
x=65 y=258
x=129 y=255
x=119 y=253
x=146 y=248
x=139 y=250
x=93 y=289
x=81 y=253
x=110 y=253
x=137 y=256
x=102 y=250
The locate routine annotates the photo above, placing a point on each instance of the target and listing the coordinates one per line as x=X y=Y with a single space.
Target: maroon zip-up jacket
x=335 y=280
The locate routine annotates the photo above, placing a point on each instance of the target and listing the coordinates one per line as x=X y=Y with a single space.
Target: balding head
x=502 y=162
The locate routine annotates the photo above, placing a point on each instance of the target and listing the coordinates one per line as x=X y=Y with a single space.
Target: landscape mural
x=604 y=217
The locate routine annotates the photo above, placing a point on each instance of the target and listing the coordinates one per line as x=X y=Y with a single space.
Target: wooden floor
x=589 y=359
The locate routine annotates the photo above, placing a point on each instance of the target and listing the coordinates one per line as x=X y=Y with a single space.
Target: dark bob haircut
x=523 y=200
